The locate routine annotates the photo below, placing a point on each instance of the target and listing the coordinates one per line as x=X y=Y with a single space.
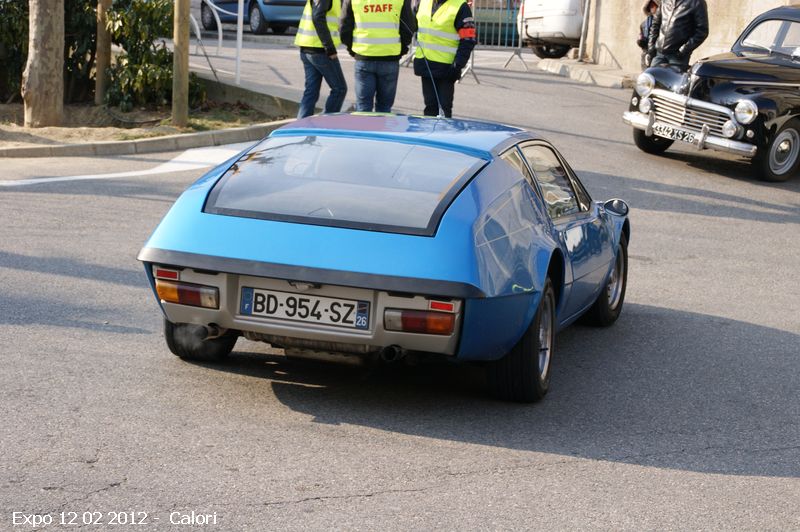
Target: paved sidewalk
x=270 y=65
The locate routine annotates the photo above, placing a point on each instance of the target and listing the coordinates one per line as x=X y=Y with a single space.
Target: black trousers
x=445 y=89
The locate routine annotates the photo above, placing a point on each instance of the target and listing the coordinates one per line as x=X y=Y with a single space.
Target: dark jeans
x=376 y=85
x=317 y=67
x=679 y=61
x=445 y=88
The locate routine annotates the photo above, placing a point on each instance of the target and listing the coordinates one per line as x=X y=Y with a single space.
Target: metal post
x=584 y=30
x=518 y=50
x=239 y=30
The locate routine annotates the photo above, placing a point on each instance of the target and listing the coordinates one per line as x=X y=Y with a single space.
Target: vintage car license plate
x=305 y=308
x=674 y=133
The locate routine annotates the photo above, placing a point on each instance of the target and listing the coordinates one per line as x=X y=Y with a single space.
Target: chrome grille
x=690 y=118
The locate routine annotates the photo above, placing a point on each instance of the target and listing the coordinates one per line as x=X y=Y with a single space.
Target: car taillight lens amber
x=195 y=295
x=419 y=321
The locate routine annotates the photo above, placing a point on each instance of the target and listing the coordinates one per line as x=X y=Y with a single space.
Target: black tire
x=207 y=18
x=608 y=305
x=257 y=23
x=778 y=161
x=654 y=145
x=279 y=29
x=550 y=51
x=188 y=342
x=523 y=375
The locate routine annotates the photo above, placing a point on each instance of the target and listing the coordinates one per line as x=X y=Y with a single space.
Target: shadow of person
x=662 y=388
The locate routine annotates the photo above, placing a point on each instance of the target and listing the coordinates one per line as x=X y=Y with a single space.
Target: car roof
x=476 y=138
x=791 y=12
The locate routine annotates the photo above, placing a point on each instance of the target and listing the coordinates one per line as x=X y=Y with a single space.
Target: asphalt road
x=684 y=415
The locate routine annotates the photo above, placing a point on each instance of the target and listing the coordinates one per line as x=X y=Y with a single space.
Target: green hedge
x=142 y=74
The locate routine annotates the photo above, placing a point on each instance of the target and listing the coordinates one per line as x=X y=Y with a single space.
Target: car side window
x=513 y=158
x=553 y=179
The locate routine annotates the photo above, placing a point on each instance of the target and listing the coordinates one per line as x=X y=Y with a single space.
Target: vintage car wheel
x=655 y=144
x=257 y=23
x=550 y=51
x=207 y=18
x=188 y=342
x=523 y=375
x=607 y=307
x=779 y=160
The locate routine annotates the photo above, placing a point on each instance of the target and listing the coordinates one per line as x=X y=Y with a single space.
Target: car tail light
x=419 y=321
x=188 y=294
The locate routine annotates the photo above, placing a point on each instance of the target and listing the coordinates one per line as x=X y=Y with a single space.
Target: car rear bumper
x=702 y=141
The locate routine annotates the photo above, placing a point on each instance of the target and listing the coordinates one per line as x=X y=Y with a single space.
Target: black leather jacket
x=679 y=26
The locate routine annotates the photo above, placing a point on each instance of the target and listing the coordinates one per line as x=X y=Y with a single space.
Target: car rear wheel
x=189 y=342
x=607 y=307
x=207 y=18
x=523 y=375
x=655 y=145
x=778 y=162
x=550 y=51
x=257 y=23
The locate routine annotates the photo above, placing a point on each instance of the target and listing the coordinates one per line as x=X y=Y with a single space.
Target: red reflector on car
x=162 y=273
x=419 y=321
x=444 y=306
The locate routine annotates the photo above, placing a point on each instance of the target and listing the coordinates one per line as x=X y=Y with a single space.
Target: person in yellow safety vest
x=445 y=39
x=377 y=34
x=318 y=37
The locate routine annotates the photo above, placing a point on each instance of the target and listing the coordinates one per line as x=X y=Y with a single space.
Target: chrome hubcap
x=784 y=152
x=614 y=286
x=545 y=336
x=255 y=17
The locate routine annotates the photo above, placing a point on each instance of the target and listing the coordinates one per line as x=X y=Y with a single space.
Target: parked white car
x=551 y=27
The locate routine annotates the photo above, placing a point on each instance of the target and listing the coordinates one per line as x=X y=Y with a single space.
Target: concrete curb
x=591 y=74
x=149 y=145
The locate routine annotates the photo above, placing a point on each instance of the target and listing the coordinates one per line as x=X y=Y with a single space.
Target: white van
x=551 y=27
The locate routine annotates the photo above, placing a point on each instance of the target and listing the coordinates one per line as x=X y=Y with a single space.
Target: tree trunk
x=43 y=79
x=180 y=65
x=103 y=54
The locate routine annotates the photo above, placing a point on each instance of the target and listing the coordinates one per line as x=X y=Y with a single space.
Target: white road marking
x=193 y=159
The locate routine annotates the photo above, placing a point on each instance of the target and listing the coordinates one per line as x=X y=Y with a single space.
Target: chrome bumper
x=702 y=140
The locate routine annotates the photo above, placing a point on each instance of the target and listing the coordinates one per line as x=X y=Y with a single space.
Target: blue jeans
x=376 y=85
x=317 y=67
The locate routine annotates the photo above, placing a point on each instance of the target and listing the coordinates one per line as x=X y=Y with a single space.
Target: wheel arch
x=556 y=271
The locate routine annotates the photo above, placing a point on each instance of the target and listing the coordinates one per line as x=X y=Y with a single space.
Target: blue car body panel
x=493 y=246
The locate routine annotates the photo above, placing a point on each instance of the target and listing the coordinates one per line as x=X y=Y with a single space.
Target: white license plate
x=674 y=133
x=305 y=308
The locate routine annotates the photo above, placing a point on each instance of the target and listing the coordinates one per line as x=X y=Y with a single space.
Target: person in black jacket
x=679 y=27
x=445 y=39
x=650 y=7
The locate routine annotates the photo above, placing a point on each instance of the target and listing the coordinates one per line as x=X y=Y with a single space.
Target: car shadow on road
x=662 y=388
x=653 y=195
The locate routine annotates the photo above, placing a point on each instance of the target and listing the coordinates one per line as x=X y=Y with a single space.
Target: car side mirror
x=616 y=206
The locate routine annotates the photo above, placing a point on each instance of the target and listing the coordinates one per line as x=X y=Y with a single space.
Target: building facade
x=614 y=26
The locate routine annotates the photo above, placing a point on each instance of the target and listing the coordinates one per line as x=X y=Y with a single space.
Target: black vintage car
x=745 y=102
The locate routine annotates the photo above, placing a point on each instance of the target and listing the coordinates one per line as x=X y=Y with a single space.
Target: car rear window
x=346 y=182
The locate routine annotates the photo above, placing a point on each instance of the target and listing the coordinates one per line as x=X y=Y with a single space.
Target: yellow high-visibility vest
x=437 y=38
x=377 y=27
x=307 y=33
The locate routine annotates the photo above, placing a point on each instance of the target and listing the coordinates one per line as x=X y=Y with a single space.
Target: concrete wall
x=614 y=26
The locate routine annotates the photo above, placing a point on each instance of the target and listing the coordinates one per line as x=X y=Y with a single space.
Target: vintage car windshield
x=344 y=182
x=779 y=36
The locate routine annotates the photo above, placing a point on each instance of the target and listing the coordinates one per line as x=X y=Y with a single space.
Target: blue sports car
x=368 y=236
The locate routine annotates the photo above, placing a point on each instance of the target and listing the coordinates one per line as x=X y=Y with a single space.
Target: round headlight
x=729 y=129
x=645 y=84
x=645 y=105
x=746 y=111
